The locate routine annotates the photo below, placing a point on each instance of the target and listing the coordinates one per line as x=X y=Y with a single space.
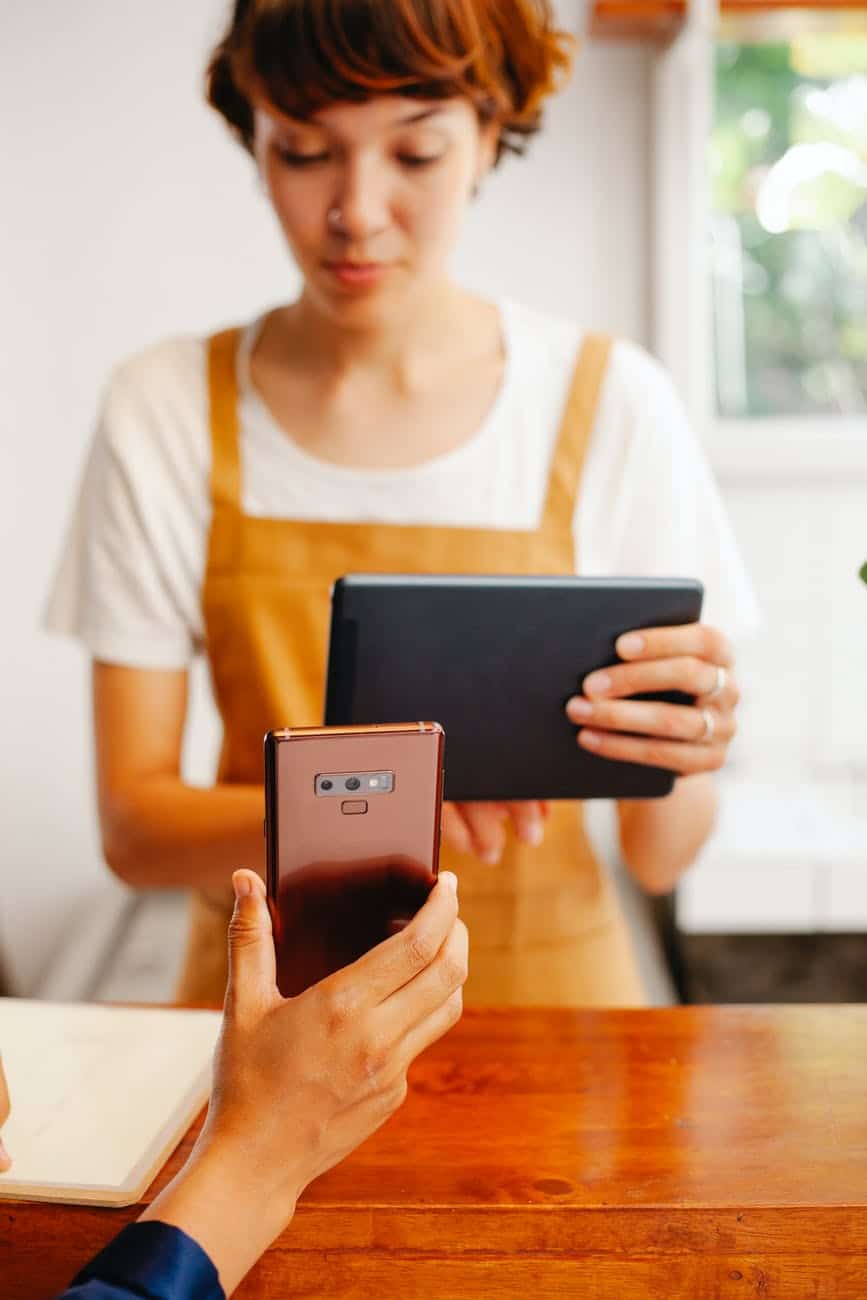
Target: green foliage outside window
x=789 y=173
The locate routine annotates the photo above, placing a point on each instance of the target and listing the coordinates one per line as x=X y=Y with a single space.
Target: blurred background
x=701 y=188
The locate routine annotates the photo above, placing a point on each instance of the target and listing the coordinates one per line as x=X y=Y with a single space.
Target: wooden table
x=691 y=1152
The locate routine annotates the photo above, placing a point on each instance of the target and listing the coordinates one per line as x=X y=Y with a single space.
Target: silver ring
x=334 y=219
x=722 y=678
x=709 y=727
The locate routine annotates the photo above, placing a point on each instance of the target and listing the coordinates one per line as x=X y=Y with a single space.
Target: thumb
x=252 y=964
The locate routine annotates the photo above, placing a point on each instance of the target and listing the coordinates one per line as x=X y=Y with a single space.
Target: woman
x=272 y=1127
x=388 y=420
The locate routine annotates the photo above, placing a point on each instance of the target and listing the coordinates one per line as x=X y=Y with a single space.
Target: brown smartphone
x=352 y=827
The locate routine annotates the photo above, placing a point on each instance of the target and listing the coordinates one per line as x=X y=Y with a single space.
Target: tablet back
x=494 y=660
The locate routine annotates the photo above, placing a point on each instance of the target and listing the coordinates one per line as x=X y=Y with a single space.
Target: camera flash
x=374 y=782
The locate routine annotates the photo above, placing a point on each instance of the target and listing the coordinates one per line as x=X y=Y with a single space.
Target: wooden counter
x=693 y=1152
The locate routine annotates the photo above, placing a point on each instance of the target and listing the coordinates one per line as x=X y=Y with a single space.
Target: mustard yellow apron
x=545 y=925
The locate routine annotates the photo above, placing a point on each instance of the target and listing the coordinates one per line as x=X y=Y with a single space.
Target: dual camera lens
x=351 y=783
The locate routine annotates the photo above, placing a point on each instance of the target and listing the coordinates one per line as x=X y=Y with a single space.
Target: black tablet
x=494 y=659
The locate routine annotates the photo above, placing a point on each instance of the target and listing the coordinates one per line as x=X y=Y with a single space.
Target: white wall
x=128 y=214
x=790 y=853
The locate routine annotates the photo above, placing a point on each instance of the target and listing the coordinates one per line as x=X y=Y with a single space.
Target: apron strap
x=573 y=440
x=223 y=395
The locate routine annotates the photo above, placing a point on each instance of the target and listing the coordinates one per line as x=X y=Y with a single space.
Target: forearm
x=164 y=834
x=225 y=1206
x=660 y=838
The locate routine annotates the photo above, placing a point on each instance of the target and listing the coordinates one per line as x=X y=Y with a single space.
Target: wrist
x=270 y=1186
x=660 y=838
x=219 y=1200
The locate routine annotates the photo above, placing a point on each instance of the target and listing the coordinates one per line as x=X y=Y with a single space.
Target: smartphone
x=352 y=829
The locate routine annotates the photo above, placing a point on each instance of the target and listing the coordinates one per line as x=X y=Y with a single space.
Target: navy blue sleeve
x=149 y=1261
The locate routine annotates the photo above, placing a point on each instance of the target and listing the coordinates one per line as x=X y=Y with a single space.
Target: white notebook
x=101 y=1095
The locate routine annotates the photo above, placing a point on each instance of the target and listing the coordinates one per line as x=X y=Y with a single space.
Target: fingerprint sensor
x=352 y=807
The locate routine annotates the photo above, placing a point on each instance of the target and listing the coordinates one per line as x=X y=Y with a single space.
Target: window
x=789 y=229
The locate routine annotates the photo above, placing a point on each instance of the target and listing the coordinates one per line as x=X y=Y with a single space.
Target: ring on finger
x=709 y=721
x=722 y=678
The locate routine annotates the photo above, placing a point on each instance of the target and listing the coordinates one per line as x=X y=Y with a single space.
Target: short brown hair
x=504 y=55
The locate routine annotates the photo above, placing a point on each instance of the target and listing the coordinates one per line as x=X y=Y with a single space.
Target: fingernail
x=5 y=1158
x=597 y=683
x=450 y=880
x=590 y=738
x=242 y=885
x=533 y=834
x=630 y=644
x=578 y=707
x=491 y=857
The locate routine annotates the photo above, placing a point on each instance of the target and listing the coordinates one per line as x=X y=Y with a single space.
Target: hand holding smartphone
x=352 y=829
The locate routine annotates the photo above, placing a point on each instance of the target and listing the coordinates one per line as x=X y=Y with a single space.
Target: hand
x=5 y=1161
x=684 y=739
x=300 y=1082
x=480 y=828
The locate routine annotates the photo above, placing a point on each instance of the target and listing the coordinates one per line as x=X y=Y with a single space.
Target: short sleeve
x=649 y=504
x=129 y=579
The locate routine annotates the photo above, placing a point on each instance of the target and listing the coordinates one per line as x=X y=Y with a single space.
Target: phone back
x=352 y=828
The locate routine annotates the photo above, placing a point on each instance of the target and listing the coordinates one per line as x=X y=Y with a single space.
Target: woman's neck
x=404 y=352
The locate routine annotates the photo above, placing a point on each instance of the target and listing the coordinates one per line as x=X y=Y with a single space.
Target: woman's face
x=371 y=196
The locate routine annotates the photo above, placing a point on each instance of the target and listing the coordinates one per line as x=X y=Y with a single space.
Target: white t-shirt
x=130 y=580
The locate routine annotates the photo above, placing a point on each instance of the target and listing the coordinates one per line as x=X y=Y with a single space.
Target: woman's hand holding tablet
x=686 y=739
